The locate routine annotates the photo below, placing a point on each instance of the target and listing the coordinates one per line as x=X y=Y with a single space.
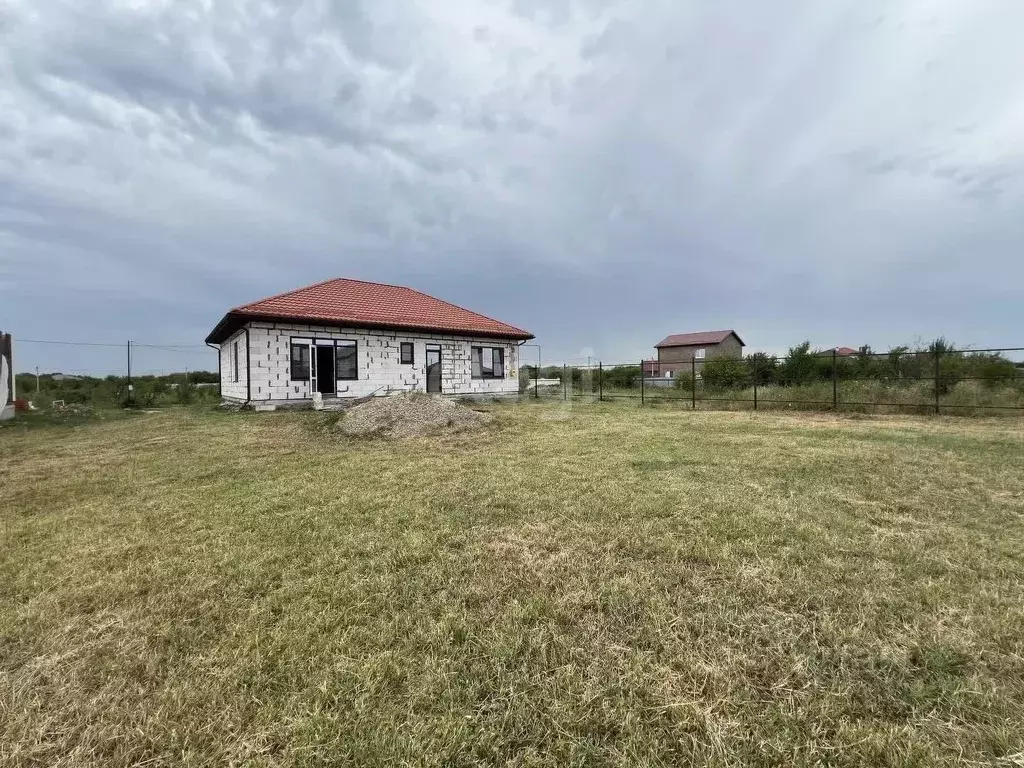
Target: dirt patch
x=410 y=416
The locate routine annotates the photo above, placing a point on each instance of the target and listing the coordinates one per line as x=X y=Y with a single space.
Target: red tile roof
x=362 y=304
x=846 y=351
x=694 y=339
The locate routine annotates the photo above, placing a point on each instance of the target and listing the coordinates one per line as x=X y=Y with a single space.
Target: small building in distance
x=686 y=352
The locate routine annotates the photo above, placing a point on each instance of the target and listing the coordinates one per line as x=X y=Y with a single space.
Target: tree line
x=804 y=364
x=112 y=391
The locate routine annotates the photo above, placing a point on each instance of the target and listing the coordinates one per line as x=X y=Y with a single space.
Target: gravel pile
x=410 y=416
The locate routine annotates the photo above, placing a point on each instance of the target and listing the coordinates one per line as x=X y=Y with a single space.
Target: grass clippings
x=622 y=586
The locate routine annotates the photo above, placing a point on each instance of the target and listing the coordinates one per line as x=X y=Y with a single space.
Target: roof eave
x=236 y=319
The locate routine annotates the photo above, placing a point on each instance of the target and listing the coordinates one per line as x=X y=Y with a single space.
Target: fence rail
x=934 y=380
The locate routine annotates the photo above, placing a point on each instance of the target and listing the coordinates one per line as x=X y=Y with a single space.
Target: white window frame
x=699 y=354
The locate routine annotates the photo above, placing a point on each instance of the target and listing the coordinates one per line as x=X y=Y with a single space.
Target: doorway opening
x=326 y=380
x=434 y=369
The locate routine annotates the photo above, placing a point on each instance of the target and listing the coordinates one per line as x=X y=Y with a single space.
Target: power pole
x=37 y=380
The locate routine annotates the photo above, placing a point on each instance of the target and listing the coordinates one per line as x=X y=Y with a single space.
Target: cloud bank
x=601 y=172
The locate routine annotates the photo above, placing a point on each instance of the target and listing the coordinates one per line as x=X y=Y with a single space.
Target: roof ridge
x=717 y=330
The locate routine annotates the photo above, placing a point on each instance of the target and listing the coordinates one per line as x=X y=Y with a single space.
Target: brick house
x=683 y=353
x=350 y=338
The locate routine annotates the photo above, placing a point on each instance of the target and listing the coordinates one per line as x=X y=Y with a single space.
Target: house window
x=407 y=353
x=488 y=362
x=699 y=354
x=668 y=374
x=234 y=361
x=300 y=362
x=346 y=360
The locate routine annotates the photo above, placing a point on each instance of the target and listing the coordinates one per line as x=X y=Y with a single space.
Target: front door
x=434 y=369
x=326 y=380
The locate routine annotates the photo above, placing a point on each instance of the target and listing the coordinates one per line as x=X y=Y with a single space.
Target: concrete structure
x=8 y=392
x=682 y=353
x=349 y=339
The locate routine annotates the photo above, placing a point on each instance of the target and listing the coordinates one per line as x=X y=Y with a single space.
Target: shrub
x=992 y=370
x=186 y=392
x=801 y=366
x=763 y=368
x=724 y=373
x=620 y=377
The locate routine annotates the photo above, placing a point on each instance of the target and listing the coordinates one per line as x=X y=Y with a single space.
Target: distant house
x=686 y=352
x=350 y=338
x=839 y=352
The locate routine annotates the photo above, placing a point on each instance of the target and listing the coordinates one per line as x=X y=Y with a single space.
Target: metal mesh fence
x=933 y=380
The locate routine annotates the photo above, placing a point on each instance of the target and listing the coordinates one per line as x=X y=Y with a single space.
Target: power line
x=169 y=347
x=179 y=351
x=69 y=343
x=174 y=347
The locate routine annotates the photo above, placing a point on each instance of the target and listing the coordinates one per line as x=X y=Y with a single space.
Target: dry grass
x=611 y=586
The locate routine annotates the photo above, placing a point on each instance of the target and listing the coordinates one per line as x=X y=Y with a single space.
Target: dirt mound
x=410 y=416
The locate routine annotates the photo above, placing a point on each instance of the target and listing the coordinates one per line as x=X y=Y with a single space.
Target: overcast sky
x=600 y=172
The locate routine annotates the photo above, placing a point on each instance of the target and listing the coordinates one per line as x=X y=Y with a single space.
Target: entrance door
x=326 y=379
x=434 y=369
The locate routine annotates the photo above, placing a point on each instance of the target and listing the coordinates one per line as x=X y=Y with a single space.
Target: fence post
x=755 y=383
x=536 y=381
x=693 y=383
x=642 y=382
x=131 y=396
x=600 y=381
x=937 y=353
x=565 y=392
x=835 y=382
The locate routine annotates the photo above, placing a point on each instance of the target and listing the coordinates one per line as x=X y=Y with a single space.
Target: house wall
x=679 y=359
x=730 y=347
x=378 y=363
x=229 y=388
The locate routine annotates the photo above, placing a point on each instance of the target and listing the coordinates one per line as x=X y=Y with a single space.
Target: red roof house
x=351 y=338
x=683 y=353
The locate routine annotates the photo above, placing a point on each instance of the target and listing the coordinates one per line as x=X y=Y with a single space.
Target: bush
x=724 y=373
x=763 y=369
x=801 y=365
x=684 y=382
x=992 y=370
x=620 y=377
x=186 y=392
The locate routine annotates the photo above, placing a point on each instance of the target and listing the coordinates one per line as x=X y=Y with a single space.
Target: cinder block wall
x=378 y=363
x=229 y=388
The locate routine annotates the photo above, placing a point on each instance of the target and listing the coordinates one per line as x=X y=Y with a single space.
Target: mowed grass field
x=608 y=585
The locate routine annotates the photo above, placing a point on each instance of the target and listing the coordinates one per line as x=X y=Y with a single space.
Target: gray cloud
x=602 y=172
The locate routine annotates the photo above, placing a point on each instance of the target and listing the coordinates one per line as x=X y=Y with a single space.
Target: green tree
x=725 y=373
x=801 y=365
x=763 y=368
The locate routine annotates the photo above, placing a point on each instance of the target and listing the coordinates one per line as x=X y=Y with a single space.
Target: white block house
x=349 y=338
